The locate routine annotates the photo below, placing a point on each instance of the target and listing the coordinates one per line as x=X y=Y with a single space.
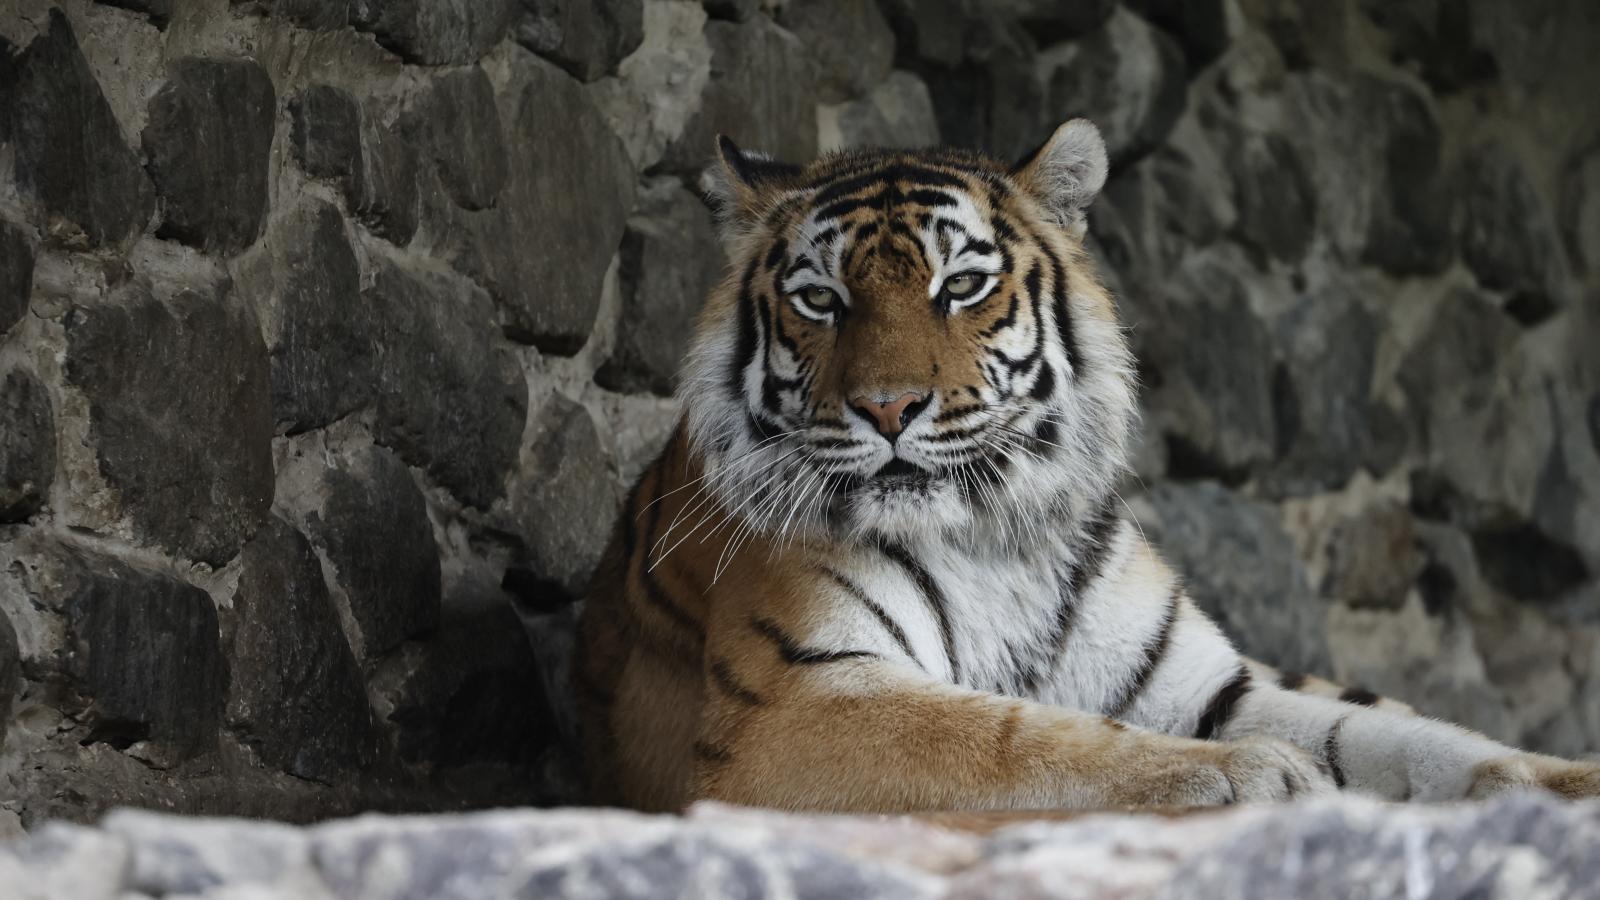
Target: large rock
x=296 y=694
x=1242 y=569
x=1580 y=211
x=186 y=442
x=450 y=398
x=1438 y=38
x=566 y=507
x=371 y=526
x=76 y=167
x=1322 y=395
x=586 y=37
x=1277 y=212
x=159 y=11
x=851 y=43
x=896 y=113
x=1373 y=557
x=140 y=667
x=468 y=694
x=10 y=673
x=670 y=259
x=16 y=274
x=463 y=128
x=543 y=250
x=1201 y=26
x=383 y=194
x=1508 y=235
x=209 y=140
x=1209 y=362
x=1127 y=77
x=321 y=342
x=657 y=89
x=762 y=93
x=27 y=446
x=326 y=135
x=1372 y=148
x=434 y=32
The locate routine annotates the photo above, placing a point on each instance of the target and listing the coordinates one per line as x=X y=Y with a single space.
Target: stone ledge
x=1516 y=847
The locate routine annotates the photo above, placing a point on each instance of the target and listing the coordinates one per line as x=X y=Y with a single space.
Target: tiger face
x=908 y=343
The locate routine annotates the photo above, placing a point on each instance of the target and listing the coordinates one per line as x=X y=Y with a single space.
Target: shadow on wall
x=327 y=330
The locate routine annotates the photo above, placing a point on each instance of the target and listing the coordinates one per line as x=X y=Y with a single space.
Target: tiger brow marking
x=934 y=595
x=796 y=654
x=1154 y=652
x=1220 y=710
x=722 y=677
x=882 y=615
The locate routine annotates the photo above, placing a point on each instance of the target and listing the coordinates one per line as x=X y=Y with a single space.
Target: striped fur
x=798 y=611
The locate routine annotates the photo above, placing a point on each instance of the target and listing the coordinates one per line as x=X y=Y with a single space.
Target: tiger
x=881 y=565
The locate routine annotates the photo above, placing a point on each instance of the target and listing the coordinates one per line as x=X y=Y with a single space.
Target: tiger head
x=909 y=343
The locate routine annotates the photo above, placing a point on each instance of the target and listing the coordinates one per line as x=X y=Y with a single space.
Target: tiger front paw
x=1562 y=777
x=1248 y=771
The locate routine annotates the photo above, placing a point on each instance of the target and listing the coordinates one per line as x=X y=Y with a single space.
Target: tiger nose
x=890 y=418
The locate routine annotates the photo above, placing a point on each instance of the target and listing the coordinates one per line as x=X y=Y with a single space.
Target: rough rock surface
x=16 y=274
x=584 y=37
x=27 y=448
x=1512 y=848
x=565 y=512
x=434 y=32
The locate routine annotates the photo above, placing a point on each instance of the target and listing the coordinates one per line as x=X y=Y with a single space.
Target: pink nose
x=892 y=417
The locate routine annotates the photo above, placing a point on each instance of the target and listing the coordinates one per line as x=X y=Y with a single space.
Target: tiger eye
x=819 y=298
x=962 y=285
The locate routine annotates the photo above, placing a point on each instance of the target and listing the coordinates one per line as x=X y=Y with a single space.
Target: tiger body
x=882 y=565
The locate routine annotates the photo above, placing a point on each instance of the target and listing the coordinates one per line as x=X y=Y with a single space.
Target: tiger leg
x=1321 y=687
x=863 y=734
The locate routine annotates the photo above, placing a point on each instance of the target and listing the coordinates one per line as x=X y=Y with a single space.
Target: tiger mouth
x=897 y=473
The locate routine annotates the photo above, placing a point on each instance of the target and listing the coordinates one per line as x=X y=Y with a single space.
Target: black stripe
x=1045 y=385
x=1330 y=753
x=745 y=349
x=1292 y=681
x=889 y=624
x=927 y=197
x=888 y=175
x=711 y=753
x=795 y=654
x=1155 y=650
x=1220 y=710
x=934 y=595
x=775 y=254
x=1098 y=535
x=1359 y=696
x=846 y=207
x=722 y=677
x=654 y=593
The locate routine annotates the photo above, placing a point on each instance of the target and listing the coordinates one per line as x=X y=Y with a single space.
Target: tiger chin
x=881 y=564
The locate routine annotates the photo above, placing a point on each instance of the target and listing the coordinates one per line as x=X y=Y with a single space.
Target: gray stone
x=296 y=694
x=850 y=42
x=733 y=10
x=187 y=448
x=142 y=655
x=1277 y=210
x=1242 y=569
x=1308 y=33
x=326 y=134
x=209 y=140
x=434 y=32
x=1508 y=235
x=320 y=15
x=450 y=399
x=1348 y=126
x=1594 y=422
x=669 y=261
x=1156 y=212
x=1050 y=21
x=1580 y=212
x=27 y=446
x=78 y=169
x=469 y=694
x=10 y=673
x=586 y=37
x=897 y=113
x=16 y=274
x=657 y=89
x=1373 y=557
x=323 y=355
x=762 y=94
x=1201 y=26
x=1437 y=38
x=566 y=510
x=159 y=11
x=1128 y=78
x=1209 y=365
x=1329 y=344
x=383 y=194
x=463 y=128
x=996 y=105
x=373 y=530
x=543 y=250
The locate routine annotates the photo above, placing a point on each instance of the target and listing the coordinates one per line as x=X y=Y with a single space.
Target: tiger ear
x=739 y=186
x=1066 y=172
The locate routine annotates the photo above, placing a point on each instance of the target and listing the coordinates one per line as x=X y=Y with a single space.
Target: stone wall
x=331 y=332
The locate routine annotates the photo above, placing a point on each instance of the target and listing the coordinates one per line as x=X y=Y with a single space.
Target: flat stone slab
x=1516 y=847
